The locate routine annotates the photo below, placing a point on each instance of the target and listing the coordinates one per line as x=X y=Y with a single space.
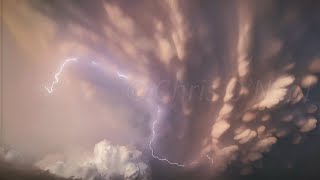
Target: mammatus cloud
x=275 y=93
x=258 y=84
x=247 y=126
x=250 y=114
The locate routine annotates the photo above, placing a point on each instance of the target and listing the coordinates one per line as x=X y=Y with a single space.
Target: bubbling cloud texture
x=250 y=110
x=232 y=77
x=107 y=162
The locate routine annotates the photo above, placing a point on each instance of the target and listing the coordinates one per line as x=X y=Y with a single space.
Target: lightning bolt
x=122 y=76
x=56 y=76
x=154 y=124
x=151 y=140
x=210 y=158
x=164 y=159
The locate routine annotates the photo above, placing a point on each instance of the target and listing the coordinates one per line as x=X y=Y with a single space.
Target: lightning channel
x=154 y=124
x=210 y=158
x=151 y=140
x=56 y=76
x=121 y=75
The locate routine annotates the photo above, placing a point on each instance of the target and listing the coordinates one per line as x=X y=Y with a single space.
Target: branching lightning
x=56 y=76
x=154 y=124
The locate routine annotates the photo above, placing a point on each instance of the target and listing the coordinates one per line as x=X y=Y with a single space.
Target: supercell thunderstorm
x=221 y=83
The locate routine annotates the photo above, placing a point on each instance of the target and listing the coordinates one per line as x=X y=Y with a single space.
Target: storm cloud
x=231 y=78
